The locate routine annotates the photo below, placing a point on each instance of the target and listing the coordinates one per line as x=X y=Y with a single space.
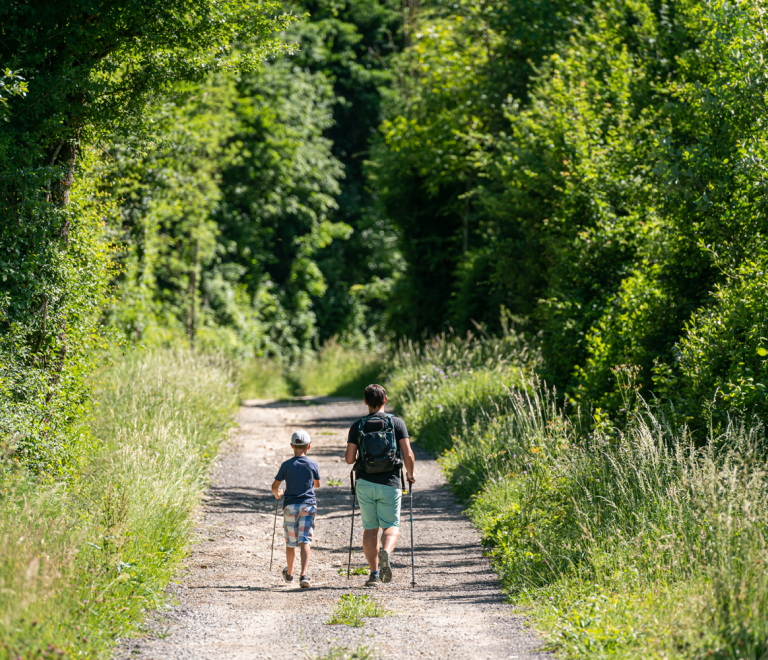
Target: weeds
x=334 y=482
x=343 y=653
x=263 y=379
x=357 y=570
x=335 y=370
x=80 y=561
x=628 y=542
x=352 y=609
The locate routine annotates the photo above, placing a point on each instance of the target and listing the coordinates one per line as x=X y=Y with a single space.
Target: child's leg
x=306 y=527
x=291 y=527
x=305 y=548
x=290 y=555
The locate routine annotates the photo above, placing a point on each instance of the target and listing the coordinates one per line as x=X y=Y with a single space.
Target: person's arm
x=408 y=458
x=316 y=483
x=275 y=489
x=350 y=455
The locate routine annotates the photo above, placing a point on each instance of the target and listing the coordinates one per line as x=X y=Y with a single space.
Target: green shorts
x=379 y=505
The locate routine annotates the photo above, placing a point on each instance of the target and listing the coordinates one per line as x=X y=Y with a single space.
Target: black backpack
x=378 y=449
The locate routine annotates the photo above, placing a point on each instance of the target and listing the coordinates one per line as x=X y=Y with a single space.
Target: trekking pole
x=413 y=563
x=274 y=529
x=352 y=530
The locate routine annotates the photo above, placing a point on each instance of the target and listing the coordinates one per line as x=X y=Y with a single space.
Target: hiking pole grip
x=352 y=528
x=413 y=562
x=274 y=530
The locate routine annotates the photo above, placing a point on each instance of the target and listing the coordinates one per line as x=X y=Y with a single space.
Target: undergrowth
x=626 y=542
x=361 y=652
x=81 y=560
x=335 y=370
x=352 y=609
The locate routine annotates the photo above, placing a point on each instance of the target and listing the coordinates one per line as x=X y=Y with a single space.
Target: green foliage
x=342 y=653
x=82 y=562
x=55 y=271
x=277 y=199
x=89 y=70
x=352 y=609
x=437 y=386
x=720 y=364
x=263 y=379
x=338 y=370
x=593 y=166
x=627 y=543
x=349 y=43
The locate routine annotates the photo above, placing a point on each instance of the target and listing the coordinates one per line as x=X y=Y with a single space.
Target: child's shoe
x=286 y=577
x=304 y=582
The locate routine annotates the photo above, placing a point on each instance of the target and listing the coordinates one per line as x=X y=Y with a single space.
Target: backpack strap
x=398 y=453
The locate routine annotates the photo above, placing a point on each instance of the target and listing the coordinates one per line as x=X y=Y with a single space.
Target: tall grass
x=338 y=370
x=334 y=370
x=628 y=542
x=80 y=561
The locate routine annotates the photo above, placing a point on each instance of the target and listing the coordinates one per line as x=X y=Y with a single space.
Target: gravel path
x=230 y=607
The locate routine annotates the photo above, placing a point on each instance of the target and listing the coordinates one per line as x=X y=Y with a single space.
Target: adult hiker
x=379 y=446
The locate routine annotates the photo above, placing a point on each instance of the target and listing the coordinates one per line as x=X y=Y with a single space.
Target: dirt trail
x=230 y=607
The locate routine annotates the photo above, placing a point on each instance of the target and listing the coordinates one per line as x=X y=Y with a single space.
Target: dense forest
x=579 y=183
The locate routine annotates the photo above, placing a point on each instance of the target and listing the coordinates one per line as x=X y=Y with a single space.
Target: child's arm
x=275 y=486
x=316 y=483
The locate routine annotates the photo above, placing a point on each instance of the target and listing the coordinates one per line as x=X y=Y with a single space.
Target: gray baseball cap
x=300 y=438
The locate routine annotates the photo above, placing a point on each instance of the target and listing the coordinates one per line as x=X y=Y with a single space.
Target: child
x=301 y=476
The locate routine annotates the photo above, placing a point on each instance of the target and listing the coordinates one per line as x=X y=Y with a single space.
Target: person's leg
x=306 y=526
x=290 y=555
x=305 y=548
x=389 y=538
x=366 y=498
x=291 y=528
x=388 y=508
x=371 y=548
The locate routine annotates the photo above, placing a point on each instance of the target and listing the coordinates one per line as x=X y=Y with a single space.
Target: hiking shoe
x=385 y=566
x=286 y=577
x=373 y=581
x=304 y=582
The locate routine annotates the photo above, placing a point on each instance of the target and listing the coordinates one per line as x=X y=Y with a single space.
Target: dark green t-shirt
x=378 y=422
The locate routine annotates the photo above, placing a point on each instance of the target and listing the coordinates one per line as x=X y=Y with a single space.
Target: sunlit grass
x=80 y=561
x=361 y=652
x=352 y=609
x=625 y=542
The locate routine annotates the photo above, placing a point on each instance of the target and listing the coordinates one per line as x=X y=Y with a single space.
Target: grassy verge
x=626 y=543
x=335 y=370
x=80 y=561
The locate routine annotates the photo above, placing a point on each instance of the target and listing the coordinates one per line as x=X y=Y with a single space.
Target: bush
x=721 y=363
x=629 y=542
x=439 y=385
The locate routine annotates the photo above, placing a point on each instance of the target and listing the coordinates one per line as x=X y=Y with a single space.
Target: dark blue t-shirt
x=298 y=473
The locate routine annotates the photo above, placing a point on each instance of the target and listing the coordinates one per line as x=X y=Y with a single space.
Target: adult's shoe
x=373 y=581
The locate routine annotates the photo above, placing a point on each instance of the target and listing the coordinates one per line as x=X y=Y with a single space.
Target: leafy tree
x=90 y=69
x=278 y=197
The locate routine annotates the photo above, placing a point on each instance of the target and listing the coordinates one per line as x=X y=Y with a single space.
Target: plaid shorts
x=298 y=523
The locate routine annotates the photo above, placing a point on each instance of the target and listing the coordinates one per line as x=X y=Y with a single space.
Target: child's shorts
x=299 y=523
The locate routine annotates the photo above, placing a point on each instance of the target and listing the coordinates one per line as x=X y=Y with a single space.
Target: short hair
x=375 y=395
